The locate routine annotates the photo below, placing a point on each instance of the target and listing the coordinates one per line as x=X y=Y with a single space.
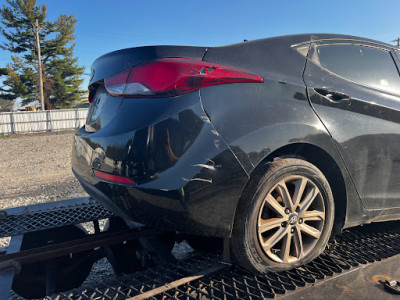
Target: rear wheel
x=284 y=218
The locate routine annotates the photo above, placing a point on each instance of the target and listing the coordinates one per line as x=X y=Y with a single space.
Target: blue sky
x=106 y=25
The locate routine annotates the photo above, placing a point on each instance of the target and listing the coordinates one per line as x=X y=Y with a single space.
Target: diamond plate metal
x=355 y=247
x=49 y=215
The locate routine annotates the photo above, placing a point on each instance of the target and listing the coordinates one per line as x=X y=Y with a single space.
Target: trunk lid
x=104 y=106
x=120 y=60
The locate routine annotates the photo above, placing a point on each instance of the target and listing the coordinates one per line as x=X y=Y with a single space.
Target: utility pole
x=39 y=64
x=397 y=41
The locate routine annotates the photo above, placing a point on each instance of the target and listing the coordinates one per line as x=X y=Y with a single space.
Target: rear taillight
x=168 y=77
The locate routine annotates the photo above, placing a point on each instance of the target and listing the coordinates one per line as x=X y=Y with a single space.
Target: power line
x=397 y=41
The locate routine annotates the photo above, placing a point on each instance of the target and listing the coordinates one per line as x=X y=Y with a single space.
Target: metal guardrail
x=42 y=121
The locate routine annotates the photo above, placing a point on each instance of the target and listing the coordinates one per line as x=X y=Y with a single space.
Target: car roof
x=307 y=37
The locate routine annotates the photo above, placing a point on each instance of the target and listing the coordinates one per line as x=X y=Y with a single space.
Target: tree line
x=62 y=75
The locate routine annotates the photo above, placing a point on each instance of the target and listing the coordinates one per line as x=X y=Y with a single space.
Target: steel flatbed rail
x=76 y=245
x=354 y=265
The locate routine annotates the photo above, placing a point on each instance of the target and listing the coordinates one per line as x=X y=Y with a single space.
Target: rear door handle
x=332 y=95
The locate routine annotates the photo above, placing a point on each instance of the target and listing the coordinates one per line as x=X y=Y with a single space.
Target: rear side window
x=368 y=66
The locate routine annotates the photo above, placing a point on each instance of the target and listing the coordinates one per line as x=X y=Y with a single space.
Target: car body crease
x=214 y=130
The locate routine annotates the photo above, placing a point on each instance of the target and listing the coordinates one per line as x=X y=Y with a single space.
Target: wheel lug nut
x=287 y=211
x=300 y=220
x=283 y=224
x=292 y=230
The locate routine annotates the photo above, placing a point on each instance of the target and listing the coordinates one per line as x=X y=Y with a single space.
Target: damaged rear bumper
x=187 y=178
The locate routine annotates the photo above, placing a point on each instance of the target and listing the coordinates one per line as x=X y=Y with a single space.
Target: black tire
x=294 y=241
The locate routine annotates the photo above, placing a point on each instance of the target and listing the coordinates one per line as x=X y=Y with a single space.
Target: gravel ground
x=36 y=168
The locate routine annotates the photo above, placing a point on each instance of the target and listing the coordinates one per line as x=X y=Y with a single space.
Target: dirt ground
x=36 y=168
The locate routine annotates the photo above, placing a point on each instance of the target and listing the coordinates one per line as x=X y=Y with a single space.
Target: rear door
x=354 y=88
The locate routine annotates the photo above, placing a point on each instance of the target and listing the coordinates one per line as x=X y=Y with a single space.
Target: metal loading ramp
x=353 y=266
x=373 y=248
x=20 y=220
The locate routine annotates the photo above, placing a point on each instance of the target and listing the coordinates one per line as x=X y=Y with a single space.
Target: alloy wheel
x=291 y=219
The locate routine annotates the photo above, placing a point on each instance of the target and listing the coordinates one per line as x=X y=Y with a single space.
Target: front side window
x=365 y=65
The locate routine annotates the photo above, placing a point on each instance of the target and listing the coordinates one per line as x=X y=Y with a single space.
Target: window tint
x=365 y=65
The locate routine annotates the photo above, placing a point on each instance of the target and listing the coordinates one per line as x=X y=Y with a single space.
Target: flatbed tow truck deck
x=355 y=265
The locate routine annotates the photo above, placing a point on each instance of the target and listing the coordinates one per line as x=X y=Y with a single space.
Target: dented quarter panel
x=256 y=120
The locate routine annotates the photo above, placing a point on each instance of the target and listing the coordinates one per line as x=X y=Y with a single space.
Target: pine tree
x=62 y=76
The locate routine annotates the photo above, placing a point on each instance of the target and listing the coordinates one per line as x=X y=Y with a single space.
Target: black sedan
x=274 y=144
